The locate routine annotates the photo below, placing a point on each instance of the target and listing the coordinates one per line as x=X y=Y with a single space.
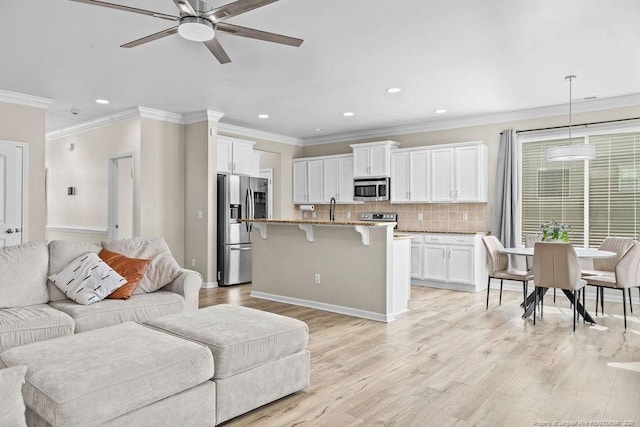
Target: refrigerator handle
x=247 y=209
x=253 y=208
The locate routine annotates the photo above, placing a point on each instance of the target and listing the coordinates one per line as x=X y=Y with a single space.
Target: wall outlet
x=313 y=214
x=199 y=214
x=465 y=216
x=304 y=214
x=316 y=279
x=348 y=215
x=193 y=262
x=420 y=216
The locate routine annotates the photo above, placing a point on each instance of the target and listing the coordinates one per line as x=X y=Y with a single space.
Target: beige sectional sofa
x=152 y=360
x=32 y=309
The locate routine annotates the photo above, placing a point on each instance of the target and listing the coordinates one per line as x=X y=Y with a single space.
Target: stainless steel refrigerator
x=239 y=197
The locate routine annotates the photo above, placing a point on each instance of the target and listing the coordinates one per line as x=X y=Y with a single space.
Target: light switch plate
x=420 y=216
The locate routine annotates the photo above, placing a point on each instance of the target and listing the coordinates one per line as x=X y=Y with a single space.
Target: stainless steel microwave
x=371 y=189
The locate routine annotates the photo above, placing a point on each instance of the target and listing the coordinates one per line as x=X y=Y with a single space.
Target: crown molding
x=202 y=116
x=92 y=124
x=602 y=104
x=258 y=134
x=163 y=116
x=26 y=100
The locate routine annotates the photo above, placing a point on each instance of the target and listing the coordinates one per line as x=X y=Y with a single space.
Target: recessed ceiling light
x=319 y=129
x=440 y=111
x=394 y=90
x=263 y=116
x=348 y=114
x=102 y=101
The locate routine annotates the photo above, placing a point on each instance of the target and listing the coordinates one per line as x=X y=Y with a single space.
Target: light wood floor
x=448 y=361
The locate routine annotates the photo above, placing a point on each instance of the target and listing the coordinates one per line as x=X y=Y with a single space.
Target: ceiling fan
x=201 y=25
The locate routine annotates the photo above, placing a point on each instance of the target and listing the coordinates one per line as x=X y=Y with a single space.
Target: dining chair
x=499 y=268
x=626 y=276
x=607 y=266
x=556 y=265
x=529 y=242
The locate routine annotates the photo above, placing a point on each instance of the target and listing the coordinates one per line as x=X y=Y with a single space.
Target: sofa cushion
x=132 y=269
x=163 y=268
x=23 y=274
x=24 y=325
x=138 y=308
x=93 y=377
x=87 y=279
x=61 y=253
x=11 y=403
x=240 y=338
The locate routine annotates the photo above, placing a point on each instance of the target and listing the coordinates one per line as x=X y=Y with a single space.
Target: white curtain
x=505 y=220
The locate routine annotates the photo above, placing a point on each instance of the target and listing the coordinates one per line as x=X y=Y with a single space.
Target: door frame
x=25 y=186
x=113 y=194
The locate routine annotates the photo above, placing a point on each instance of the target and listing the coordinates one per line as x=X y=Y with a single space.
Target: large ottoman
x=259 y=357
x=121 y=375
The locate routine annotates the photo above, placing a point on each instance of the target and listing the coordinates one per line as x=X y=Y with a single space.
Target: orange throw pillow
x=131 y=269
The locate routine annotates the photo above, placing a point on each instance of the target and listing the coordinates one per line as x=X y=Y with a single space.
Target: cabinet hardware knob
x=9 y=230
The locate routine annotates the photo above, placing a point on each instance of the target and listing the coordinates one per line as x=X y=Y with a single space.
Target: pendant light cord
x=570 y=78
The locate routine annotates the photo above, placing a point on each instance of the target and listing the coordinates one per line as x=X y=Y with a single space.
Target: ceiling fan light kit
x=196 y=29
x=570 y=152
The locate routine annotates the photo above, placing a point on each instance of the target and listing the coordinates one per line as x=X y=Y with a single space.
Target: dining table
x=581 y=253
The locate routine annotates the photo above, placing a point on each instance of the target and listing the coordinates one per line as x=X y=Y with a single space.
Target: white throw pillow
x=87 y=279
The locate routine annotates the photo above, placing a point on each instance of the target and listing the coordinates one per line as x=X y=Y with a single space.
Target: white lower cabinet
x=449 y=261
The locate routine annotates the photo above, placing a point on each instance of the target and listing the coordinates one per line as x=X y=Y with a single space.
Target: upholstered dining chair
x=626 y=276
x=556 y=265
x=607 y=266
x=499 y=268
x=529 y=242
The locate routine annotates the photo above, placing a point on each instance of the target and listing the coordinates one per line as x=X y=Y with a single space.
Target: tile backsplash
x=442 y=217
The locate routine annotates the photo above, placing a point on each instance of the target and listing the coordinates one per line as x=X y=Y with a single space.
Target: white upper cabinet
x=400 y=177
x=471 y=173
x=235 y=156
x=459 y=174
x=338 y=179
x=371 y=159
x=410 y=176
x=307 y=181
x=442 y=175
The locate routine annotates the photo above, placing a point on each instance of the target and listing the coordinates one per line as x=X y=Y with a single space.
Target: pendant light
x=570 y=152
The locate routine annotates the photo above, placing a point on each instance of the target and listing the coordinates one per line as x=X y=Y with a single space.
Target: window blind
x=552 y=190
x=614 y=202
x=556 y=190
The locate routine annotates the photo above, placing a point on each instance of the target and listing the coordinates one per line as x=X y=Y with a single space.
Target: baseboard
x=364 y=314
x=209 y=285
x=444 y=285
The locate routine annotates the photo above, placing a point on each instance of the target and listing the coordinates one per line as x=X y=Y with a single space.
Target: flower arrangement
x=555 y=231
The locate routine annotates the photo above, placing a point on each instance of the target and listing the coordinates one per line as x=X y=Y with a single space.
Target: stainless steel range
x=380 y=217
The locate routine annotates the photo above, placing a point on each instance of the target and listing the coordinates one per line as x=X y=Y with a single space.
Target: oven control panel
x=379 y=216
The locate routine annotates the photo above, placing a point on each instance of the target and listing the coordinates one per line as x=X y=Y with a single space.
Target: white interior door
x=121 y=196
x=11 y=194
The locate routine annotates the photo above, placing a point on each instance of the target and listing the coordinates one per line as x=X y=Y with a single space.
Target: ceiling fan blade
x=216 y=48
x=185 y=7
x=129 y=9
x=236 y=8
x=152 y=37
x=258 y=34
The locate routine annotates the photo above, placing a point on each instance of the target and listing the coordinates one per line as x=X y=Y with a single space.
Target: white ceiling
x=470 y=57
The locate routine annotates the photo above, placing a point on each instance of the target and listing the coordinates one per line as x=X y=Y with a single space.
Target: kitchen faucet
x=332 y=209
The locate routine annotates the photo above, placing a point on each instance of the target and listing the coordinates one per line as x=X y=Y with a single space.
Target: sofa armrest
x=188 y=285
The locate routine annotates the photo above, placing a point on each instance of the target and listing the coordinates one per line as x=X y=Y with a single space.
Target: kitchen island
x=349 y=267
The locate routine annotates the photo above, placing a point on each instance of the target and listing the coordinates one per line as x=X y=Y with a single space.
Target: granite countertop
x=320 y=222
x=402 y=237
x=441 y=232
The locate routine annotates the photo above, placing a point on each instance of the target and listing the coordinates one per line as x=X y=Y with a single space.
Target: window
x=559 y=191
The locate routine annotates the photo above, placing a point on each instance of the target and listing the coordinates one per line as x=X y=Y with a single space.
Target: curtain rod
x=578 y=125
